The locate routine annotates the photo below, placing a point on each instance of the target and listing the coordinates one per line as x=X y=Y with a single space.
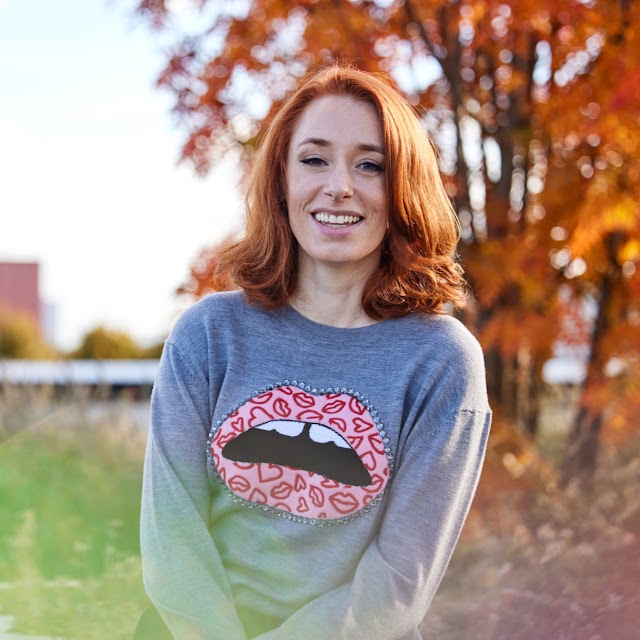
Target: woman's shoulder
x=450 y=359
x=443 y=333
x=218 y=304
x=212 y=313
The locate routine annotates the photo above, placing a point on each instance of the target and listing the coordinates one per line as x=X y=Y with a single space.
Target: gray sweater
x=306 y=481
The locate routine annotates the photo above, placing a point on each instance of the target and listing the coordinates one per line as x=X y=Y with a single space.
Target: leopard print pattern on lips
x=320 y=455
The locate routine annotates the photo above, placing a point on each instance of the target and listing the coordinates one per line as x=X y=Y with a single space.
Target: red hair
x=418 y=270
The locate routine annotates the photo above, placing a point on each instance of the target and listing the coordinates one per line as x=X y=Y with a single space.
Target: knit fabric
x=307 y=481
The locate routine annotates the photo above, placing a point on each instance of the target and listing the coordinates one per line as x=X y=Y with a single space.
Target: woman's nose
x=339 y=184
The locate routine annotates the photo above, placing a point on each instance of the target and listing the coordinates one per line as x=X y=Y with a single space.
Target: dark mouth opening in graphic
x=301 y=445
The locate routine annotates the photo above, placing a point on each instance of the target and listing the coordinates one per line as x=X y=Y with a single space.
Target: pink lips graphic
x=320 y=428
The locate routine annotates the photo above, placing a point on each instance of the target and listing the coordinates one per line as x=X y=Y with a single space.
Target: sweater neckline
x=336 y=335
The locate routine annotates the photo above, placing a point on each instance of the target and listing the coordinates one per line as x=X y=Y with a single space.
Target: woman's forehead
x=339 y=120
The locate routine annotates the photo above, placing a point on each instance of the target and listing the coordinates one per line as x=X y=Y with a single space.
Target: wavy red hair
x=418 y=269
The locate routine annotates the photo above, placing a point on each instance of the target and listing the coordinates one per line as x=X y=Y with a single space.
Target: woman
x=317 y=436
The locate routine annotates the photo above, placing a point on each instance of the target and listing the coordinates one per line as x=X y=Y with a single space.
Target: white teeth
x=320 y=433
x=330 y=218
x=292 y=428
x=283 y=427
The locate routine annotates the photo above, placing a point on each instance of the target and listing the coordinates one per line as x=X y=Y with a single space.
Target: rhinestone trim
x=280 y=512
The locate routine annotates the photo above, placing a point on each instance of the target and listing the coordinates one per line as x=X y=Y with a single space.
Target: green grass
x=564 y=567
x=69 y=512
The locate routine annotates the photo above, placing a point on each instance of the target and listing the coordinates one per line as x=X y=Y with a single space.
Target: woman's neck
x=331 y=296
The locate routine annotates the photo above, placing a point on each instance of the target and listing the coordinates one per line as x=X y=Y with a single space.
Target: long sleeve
x=183 y=574
x=402 y=567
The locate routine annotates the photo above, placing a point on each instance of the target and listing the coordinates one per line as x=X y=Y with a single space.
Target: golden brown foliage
x=20 y=337
x=535 y=107
x=107 y=344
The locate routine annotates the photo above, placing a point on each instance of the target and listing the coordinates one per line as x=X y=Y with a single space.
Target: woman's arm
x=183 y=573
x=400 y=571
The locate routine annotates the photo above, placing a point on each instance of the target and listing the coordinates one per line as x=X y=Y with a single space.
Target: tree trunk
x=528 y=407
x=582 y=448
x=582 y=452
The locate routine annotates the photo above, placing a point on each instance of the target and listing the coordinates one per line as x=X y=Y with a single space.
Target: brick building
x=19 y=289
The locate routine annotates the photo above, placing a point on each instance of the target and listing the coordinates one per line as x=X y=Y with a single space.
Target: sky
x=90 y=185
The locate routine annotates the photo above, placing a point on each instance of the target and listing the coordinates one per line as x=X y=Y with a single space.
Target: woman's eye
x=313 y=162
x=371 y=166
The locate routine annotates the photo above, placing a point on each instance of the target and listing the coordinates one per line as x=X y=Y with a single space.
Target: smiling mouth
x=341 y=220
x=301 y=445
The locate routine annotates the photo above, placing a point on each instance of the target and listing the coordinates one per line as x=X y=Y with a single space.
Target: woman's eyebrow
x=320 y=142
x=363 y=146
x=370 y=147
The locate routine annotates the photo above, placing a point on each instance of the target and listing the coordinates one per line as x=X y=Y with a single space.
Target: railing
x=116 y=373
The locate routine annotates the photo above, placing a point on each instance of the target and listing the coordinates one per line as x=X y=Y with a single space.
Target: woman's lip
x=337 y=212
x=337 y=231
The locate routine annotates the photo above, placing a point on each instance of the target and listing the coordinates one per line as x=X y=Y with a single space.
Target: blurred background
x=127 y=129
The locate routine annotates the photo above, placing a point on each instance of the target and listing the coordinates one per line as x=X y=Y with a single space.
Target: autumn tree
x=20 y=337
x=534 y=106
x=106 y=344
x=602 y=244
x=152 y=352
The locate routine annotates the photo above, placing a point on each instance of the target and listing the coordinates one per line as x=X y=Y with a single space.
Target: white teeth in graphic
x=330 y=218
x=322 y=434
x=283 y=427
x=317 y=432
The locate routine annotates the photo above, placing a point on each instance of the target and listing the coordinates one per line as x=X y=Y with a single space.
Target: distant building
x=19 y=288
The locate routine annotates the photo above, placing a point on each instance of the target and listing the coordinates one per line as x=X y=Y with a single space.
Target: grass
x=70 y=487
x=557 y=566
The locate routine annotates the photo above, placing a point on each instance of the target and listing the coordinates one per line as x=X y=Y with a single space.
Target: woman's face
x=335 y=184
